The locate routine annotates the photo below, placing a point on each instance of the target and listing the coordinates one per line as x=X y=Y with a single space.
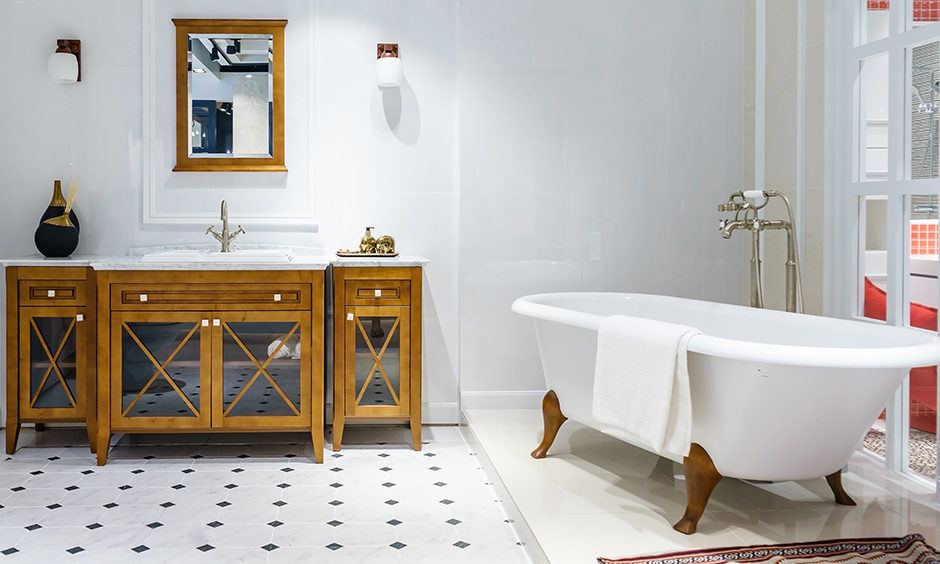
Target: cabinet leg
x=416 y=432
x=40 y=427
x=337 y=434
x=104 y=441
x=92 y=436
x=13 y=435
x=317 y=435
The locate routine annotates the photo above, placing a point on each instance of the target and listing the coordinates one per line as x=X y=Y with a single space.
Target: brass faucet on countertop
x=225 y=237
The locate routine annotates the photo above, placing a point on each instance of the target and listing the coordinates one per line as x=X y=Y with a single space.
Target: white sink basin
x=237 y=256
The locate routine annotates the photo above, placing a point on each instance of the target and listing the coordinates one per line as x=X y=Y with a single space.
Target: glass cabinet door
x=52 y=365
x=157 y=362
x=377 y=361
x=261 y=375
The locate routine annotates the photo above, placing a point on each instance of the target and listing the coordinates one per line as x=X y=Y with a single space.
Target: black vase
x=57 y=240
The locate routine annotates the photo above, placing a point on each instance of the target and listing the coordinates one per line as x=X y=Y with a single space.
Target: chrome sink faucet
x=225 y=237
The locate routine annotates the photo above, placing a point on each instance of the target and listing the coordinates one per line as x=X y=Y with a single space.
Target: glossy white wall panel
x=596 y=169
x=498 y=353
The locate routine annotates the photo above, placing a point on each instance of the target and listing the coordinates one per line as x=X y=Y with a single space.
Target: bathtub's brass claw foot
x=835 y=484
x=552 y=419
x=701 y=477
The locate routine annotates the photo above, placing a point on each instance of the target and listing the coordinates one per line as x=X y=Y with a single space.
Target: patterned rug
x=907 y=550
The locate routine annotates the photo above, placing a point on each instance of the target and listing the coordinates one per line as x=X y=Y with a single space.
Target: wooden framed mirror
x=229 y=95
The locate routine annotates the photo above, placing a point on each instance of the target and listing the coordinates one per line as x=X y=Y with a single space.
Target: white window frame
x=843 y=285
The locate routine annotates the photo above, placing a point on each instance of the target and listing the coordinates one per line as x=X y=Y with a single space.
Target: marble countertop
x=400 y=260
x=39 y=260
x=302 y=258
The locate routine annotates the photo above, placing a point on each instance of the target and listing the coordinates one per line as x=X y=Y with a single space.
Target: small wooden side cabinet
x=376 y=346
x=50 y=348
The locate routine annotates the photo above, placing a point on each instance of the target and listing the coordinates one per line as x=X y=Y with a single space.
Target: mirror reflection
x=230 y=95
x=231 y=89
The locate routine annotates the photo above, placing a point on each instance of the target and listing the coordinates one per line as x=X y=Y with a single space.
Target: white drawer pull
x=80 y=317
x=51 y=293
x=205 y=322
x=277 y=297
x=143 y=297
x=350 y=317
x=378 y=293
x=216 y=323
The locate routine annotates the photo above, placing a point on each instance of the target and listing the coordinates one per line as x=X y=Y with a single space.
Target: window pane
x=923 y=12
x=922 y=230
x=874 y=20
x=873 y=264
x=873 y=261
x=874 y=118
x=925 y=84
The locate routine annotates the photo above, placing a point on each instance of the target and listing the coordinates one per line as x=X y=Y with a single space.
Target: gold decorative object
x=367 y=243
x=369 y=246
x=64 y=220
x=385 y=245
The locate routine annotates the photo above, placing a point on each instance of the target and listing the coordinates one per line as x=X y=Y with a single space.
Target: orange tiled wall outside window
x=924 y=10
x=924 y=237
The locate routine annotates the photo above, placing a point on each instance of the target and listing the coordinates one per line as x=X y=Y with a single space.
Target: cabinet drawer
x=210 y=297
x=378 y=292
x=52 y=292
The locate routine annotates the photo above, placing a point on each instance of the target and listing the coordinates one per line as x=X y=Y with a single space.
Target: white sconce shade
x=64 y=65
x=388 y=70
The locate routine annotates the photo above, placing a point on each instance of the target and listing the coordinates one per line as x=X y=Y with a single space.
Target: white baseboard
x=516 y=399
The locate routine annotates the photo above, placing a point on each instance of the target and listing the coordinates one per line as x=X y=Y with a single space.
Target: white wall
x=596 y=140
x=535 y=146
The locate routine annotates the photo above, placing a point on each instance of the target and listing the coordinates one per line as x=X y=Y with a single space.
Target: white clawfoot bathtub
x=775 y=396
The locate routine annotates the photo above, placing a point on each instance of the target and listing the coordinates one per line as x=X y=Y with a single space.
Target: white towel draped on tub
x=641 y=382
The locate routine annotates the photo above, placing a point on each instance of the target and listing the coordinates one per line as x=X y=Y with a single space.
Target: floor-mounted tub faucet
x=225 y=237
x=746 y=217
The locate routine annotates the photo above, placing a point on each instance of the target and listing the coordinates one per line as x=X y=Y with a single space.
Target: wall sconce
x=388 y=72
x=65 y=64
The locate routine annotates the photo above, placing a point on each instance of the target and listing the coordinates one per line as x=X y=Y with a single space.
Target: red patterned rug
x=906 y=550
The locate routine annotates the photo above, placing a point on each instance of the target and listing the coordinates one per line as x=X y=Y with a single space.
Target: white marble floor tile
x=265 y=502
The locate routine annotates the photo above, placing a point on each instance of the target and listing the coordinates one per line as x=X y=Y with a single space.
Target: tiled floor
x=257 y=498
x=597 y=496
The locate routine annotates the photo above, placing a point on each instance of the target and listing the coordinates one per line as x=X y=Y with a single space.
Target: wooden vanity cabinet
x=50 y=348
x=377 y=347
x=211 y=351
